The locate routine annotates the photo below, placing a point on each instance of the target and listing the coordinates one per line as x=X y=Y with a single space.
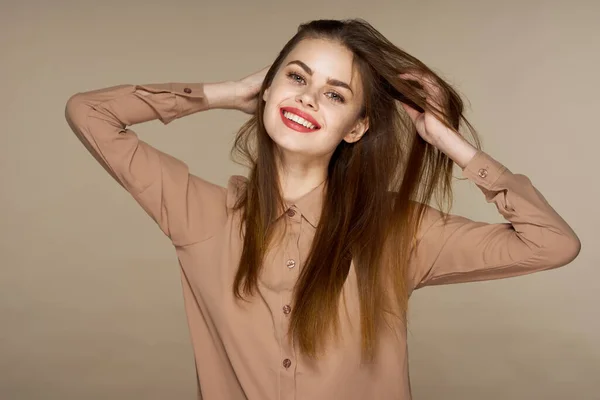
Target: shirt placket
x=290 y=265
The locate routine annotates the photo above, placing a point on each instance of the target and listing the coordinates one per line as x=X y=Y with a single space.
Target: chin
x=287 y=142
x=285 y=138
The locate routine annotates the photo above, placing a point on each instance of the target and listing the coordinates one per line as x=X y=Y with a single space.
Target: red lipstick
x=296 y=126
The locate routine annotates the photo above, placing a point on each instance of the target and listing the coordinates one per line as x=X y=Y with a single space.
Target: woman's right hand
x=247 y=90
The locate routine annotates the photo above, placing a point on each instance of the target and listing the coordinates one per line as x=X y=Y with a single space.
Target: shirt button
x=290 y=213
x=483 y=172
x=291 y=263
x=287 y=309
x=187 y=90
x=287 y=363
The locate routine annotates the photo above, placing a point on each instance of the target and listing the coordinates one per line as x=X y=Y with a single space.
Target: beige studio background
x=90 y=300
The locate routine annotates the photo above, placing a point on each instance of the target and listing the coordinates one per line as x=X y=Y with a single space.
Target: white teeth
x=300 y=120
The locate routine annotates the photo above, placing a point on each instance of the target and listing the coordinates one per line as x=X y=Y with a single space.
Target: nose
x=308 y=99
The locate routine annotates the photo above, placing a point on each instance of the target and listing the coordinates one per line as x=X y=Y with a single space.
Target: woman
x=296 y=279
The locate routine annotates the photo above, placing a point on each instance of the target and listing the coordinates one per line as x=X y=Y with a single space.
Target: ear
x=360 y=128
x=266 y=94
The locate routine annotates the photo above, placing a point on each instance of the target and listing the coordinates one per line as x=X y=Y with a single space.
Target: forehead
x=327 y=59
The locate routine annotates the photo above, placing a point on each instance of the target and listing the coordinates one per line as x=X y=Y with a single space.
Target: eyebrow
x=332 y=82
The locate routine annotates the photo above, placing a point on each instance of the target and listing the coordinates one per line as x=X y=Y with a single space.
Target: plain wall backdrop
x=90 y=299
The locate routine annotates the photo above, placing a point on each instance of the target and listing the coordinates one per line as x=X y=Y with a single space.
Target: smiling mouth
x=297 y=122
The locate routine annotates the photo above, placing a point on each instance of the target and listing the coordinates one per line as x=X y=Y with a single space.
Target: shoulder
x=431 y=220
x=235 y=187
x=213 y=194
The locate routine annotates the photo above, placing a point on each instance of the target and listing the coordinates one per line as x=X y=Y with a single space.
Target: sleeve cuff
x=189 y=97
x=192 y=90
x=483 y=170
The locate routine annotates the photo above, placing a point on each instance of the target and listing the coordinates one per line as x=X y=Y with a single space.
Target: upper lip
x=302 y=114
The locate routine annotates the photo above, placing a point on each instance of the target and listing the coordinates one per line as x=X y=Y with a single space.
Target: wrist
x=221 y=95
x=457 y=148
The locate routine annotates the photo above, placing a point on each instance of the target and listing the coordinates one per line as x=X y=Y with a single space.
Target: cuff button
x=187 y=90
x=482 y=172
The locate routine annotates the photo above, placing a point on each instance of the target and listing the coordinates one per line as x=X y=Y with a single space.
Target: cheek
x=271 y=107
x=270 y=116
x=276 y=93
x=340 y=122
x=273 y=100
x=271 y=103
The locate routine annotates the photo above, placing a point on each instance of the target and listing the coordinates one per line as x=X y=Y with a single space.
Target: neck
x=299 y=175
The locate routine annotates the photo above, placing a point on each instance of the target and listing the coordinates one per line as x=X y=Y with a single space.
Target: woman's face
x=315 y=100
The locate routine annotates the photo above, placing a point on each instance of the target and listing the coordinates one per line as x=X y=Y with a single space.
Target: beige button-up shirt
x=241 y=351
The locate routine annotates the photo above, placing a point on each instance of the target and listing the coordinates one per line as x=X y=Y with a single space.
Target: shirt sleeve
x=186 y=207
x=457 y=249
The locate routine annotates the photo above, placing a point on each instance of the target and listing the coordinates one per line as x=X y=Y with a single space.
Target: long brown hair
x=375 y=193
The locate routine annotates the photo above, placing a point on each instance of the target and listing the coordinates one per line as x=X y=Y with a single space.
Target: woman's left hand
x=431 y=129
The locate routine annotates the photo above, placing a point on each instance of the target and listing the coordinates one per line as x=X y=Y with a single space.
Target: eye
x=335 y=97
x=296 y=77
x=299 y=79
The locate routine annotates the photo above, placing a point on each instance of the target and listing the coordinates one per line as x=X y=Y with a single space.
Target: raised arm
x=534 y=238
x=186 y=207
x=457 y=249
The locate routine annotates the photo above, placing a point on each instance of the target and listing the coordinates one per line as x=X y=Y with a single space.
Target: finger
x=412 y=76
x=264 y=70
x=426 y=82
x=432 y=89
x=412 y=113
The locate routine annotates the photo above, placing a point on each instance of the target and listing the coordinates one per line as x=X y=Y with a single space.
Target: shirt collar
x=310 y=204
